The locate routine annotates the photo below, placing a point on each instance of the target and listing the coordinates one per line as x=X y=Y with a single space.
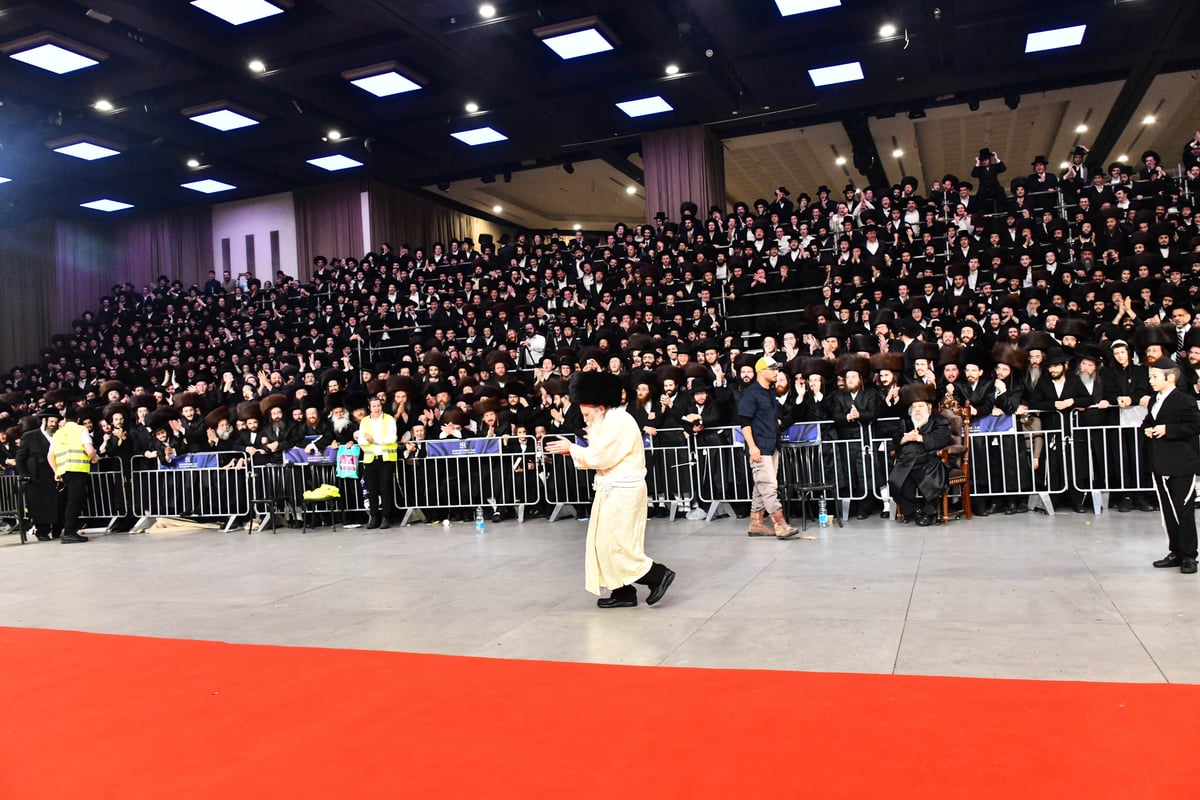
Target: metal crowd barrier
x=212 y=485
x=723 y=469
x=562 y=484
x=844 y=464
x=466 y=473
x=12 y=505
x=1108 y=458
x=1002 y=458
x=670 y=473
x=107 y=497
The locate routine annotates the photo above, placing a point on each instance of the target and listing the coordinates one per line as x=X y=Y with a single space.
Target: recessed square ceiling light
x=224 y=120
x=645 y=106
x=107 y=206
x=334 y=163
x=386 y=84
x=478 y=136
x=88 y=151
x=1054 y=39
x=54 y=58
x=208 y=186
x=789 y=7
x=238 y=12
x=838 y=73
x=578 y=44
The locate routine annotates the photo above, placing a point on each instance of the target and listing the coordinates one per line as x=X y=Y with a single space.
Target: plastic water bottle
x=479 y=520
x=822 y=514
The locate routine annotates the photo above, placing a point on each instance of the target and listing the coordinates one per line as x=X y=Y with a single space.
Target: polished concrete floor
x=1070 y=597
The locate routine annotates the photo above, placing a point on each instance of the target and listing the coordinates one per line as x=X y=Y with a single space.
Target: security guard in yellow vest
x=71 y=457
x=377 y=437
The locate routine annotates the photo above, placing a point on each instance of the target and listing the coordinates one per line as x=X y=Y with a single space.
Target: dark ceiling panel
x=743 y=68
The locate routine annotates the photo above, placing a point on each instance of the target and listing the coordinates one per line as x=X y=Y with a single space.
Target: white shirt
x=1159 y=401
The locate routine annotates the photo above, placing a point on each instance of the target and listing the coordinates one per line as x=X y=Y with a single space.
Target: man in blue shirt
x=758 y=414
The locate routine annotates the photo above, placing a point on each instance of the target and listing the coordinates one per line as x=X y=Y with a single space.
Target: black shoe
x=1081 y=507
x=385 y=523
x=617 y=602
x=42 y=537
x=1125 y=505
x=1188 y=567
x=1144 y=504
x=924 y=520
x=863 y=512
x=1171 y=560
x=496 y=516
x=374 y=523
x=658 y=591
x=73 y=538
x=984 y=509
x=1011 y=508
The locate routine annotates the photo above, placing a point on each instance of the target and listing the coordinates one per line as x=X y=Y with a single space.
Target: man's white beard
x=224 y=435
x=340 y=424
x=918 y=420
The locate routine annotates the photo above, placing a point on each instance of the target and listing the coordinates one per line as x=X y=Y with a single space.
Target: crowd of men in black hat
x=447 y=334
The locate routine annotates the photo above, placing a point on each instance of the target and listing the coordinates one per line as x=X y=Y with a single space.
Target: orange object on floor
x=97 y=716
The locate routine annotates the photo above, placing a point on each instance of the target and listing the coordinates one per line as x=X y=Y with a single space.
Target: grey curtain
x=328 y=222
x=683 y=164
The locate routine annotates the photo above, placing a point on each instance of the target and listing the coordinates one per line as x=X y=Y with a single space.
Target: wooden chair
x=957 y=458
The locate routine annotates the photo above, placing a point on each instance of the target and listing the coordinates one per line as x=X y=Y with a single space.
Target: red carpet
x=98 y=717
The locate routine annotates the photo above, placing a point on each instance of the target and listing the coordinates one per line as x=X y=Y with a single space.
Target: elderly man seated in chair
x=918 y=478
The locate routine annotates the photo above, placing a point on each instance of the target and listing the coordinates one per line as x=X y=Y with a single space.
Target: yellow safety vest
x=69 y=453
x=377 y=431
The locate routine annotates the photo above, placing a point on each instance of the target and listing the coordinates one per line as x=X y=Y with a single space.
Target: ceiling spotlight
x=1064 y=164
x=840 y=161
x=497 y=209
x=334 y=135
x=577 y=227
x=1012 y=101
x=887 y=30
x=257 y=66
x=973 y=104
x=1149 y=119
x=193 y=162
x=471 y=107
x=672 y=69
x=103 y=105
x=897 y=153
x=630 y=190
x=1122 y=158
x=487 y=11
x=1081 y=128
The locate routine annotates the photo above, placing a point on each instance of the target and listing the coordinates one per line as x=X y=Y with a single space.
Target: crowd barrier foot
x=143 y=525
x=718 y=508
x=560 y=508
x=844 y=509
x=1099 y=502
x=1044 y=499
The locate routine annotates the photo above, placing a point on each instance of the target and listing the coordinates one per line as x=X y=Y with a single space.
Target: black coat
x=1178 y=452
x=920 y=460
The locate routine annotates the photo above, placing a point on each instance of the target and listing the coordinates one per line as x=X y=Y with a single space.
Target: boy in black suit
x=1171 y=427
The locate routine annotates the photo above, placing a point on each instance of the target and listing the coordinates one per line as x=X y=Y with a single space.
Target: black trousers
x=380 y=477
x=1176 y=498
x=652 y=578
x=75 y=485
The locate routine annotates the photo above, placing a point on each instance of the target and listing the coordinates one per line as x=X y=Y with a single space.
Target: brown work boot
x=759 y=526
x=782 y=530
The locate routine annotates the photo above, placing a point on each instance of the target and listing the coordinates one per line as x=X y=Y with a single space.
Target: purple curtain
x=400 y=217
x=683 y=164
x=54 y=270
x=329 y=223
